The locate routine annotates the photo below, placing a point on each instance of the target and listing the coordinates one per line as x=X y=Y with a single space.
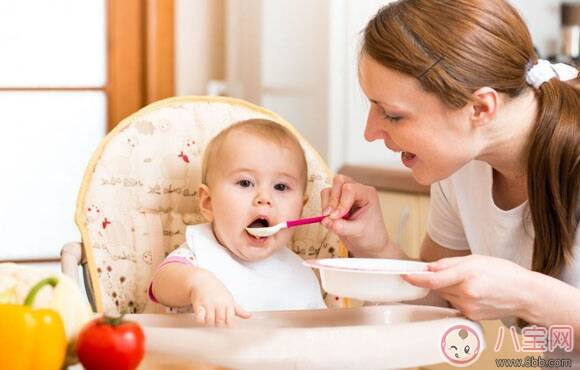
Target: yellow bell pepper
x=31 y=339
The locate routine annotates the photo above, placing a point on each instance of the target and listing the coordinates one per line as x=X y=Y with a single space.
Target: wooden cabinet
x=405 y=215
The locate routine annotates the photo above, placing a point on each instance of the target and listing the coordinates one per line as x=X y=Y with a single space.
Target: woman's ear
x=485 y=103
x=204 y=197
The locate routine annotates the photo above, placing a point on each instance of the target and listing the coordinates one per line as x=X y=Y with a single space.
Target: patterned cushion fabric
x=139 y=193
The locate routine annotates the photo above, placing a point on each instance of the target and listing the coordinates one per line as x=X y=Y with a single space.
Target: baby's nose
x=263 y=199
x=264 y=202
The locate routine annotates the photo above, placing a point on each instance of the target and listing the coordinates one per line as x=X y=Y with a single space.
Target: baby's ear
x=205 y=208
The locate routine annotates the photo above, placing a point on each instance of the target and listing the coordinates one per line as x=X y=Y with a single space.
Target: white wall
x=356 y=150
x=199 y=45
x=543 y=19
x=299 y=59
x=277 y=57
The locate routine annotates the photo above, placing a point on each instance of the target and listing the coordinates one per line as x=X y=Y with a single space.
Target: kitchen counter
x=385 y=178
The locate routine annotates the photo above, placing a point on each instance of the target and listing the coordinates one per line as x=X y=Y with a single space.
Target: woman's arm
x=488 y=288
x=550 y=301
x=365 y=233
x=431 y=251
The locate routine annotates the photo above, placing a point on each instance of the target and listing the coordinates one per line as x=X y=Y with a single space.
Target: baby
x=253 y=175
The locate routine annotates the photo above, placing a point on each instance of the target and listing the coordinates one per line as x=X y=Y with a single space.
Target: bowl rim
x=321 y=264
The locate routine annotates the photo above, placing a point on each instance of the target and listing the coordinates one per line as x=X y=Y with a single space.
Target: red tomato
x=110 y=344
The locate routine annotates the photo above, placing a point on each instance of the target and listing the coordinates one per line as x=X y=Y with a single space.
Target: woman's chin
x=427 y=178
x=422 y=178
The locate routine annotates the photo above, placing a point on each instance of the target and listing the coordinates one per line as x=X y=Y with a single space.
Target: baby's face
x=254 y=182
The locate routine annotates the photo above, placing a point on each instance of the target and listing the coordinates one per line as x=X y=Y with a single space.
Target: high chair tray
x=375 y=337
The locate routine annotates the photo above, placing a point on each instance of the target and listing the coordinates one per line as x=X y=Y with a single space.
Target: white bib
x=279 y=282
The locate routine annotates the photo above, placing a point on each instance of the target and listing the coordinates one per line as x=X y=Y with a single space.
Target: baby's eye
x=281 y=187
x=245 y=183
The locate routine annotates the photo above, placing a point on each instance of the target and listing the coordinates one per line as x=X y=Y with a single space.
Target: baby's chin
x=252 y=253
x=247 y=248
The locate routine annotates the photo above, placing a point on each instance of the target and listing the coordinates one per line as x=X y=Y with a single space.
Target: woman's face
x=434 y=140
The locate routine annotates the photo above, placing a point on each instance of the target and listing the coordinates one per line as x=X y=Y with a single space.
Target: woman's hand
x=364 y=233
x=481 y=287
x=212 y=302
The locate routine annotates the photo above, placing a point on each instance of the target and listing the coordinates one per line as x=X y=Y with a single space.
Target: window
x=70 y=71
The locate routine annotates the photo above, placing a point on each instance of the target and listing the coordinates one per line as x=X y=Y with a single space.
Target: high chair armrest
x=71 y=257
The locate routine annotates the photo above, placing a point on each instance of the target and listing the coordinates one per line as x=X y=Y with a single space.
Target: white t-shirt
x=463 y=216
x=279 y=282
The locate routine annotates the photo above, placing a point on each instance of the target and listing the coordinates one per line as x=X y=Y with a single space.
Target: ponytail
x=554 y=175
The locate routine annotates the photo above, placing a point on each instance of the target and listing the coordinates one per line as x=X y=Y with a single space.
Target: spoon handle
x=309 y=220
x=304 y=221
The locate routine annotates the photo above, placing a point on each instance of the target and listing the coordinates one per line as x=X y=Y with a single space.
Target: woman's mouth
x=409 y=159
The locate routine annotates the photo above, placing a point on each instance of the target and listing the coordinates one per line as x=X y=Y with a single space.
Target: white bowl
x=369 y=279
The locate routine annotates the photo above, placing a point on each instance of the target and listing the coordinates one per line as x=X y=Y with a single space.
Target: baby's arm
x=178 y=283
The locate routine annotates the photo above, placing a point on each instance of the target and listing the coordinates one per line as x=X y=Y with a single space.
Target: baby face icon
x=460 y=345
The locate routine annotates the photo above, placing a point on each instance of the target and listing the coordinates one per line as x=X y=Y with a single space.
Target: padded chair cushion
x=139 y=193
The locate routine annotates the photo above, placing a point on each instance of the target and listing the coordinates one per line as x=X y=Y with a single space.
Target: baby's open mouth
x=259 y=222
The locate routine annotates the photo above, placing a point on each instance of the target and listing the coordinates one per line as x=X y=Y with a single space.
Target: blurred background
x=70 y=70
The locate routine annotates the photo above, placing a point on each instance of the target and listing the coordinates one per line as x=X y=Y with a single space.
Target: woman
x=457 y=88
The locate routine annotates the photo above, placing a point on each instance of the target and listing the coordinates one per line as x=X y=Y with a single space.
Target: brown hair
x=266 y=129
x=454 y=47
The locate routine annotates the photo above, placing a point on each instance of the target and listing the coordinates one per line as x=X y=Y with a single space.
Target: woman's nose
x=375 y=128
x=372 y=132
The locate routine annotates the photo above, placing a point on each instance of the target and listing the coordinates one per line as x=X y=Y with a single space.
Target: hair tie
x=543 y=71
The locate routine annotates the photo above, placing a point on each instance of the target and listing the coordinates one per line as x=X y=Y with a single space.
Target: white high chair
x=139 y=192
x=137 y=196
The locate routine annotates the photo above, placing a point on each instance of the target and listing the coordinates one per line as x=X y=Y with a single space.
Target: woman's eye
x=245 y=183
x=388 y=117
x=281 y=187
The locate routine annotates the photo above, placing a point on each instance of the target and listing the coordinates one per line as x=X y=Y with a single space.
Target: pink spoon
x=269 y=231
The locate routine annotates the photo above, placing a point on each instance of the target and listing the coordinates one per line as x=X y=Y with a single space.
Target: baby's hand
x=212 y=302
